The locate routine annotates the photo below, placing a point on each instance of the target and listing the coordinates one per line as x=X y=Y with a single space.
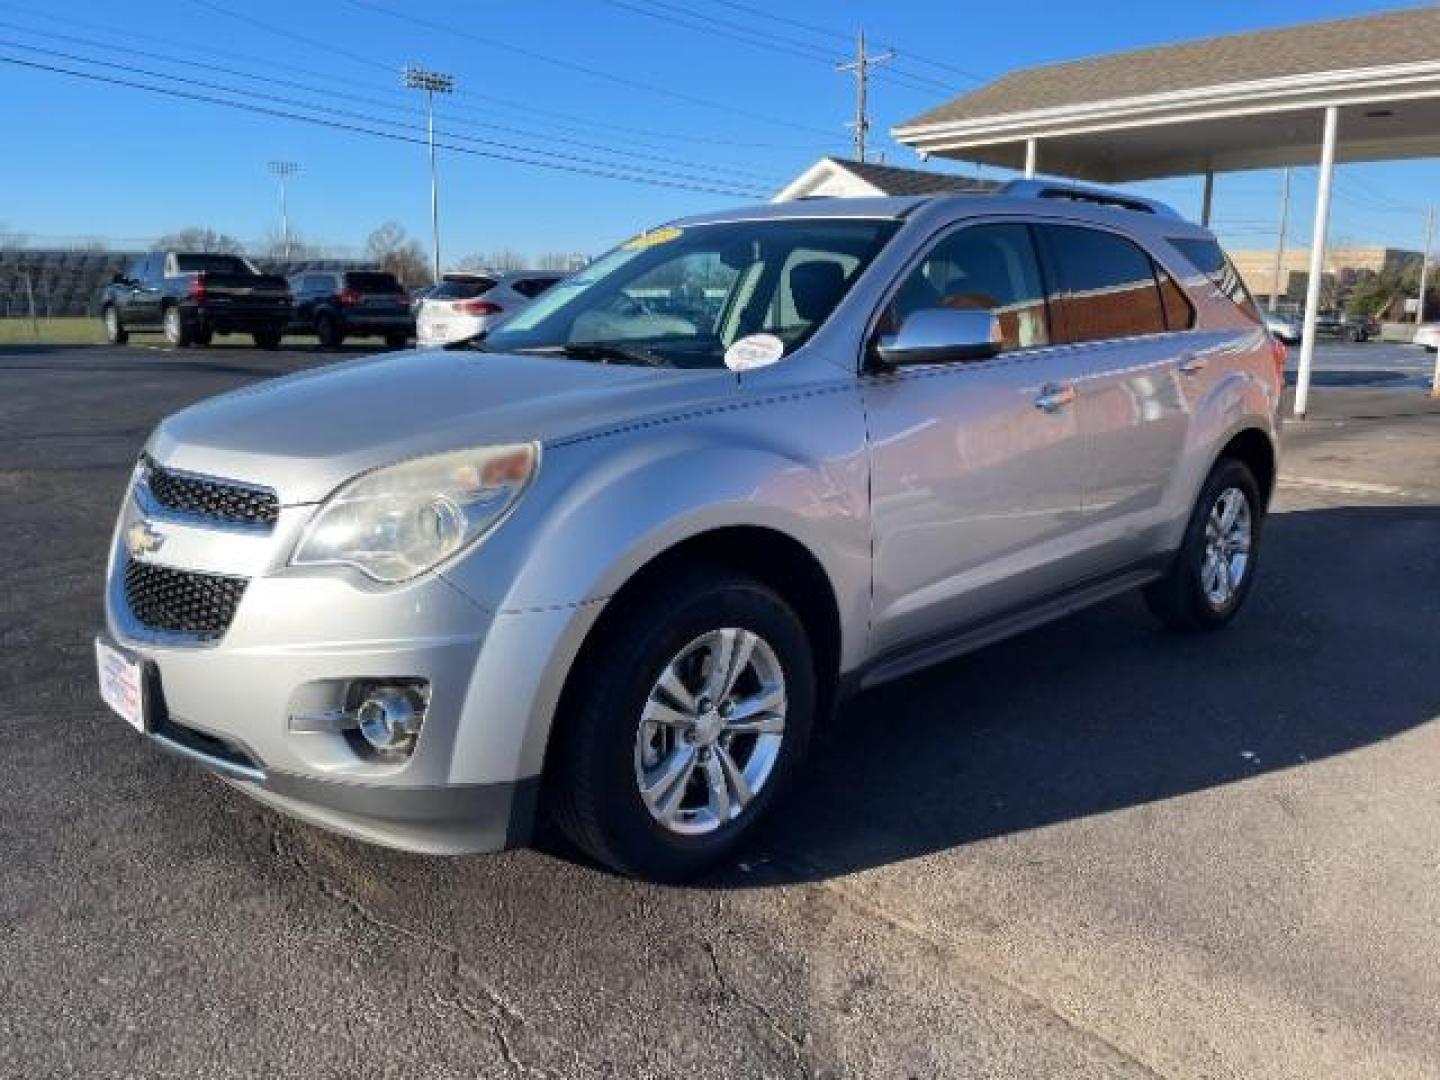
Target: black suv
x=190 y=296
x=334 y=305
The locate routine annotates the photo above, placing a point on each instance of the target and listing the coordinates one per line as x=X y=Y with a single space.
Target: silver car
x=465 y=305
x=616 y=565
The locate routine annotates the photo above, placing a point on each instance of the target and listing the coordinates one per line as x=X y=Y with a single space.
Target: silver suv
x=615 y=564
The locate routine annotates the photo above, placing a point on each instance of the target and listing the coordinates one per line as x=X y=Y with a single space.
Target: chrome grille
x=203 y=497
x=182 y=601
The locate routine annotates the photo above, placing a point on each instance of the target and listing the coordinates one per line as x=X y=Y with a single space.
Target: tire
x=203 y=337
x=115 y=332
x=1193 y=596
x=268 y=339
x=605 y=749
x=397 y=341
x=176 y=332
x=329 y=331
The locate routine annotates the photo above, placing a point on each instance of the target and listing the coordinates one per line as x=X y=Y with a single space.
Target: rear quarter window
x=1209 y=259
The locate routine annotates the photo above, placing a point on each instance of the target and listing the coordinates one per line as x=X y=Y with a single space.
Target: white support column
x=1207 y=197
x=1031 y=149
x=1317 y=259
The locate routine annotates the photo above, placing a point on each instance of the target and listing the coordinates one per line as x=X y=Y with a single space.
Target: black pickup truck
x=189 y=297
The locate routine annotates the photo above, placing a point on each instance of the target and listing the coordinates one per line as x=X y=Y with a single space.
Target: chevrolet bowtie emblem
x=141 y=540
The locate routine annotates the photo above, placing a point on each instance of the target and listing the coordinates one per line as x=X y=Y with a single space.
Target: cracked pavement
x=1092 y=851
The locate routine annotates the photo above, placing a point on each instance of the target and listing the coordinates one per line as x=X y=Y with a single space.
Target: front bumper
x=296 y=645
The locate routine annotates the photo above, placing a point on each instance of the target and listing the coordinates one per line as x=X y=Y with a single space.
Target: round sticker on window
x=754 y=351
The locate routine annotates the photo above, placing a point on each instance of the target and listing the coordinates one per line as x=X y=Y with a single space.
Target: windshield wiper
x=606 y=352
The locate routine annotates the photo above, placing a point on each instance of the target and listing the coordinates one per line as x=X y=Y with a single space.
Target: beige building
x=1342 y=267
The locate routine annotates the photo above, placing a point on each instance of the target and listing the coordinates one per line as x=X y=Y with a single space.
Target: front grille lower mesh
x=182 y=601
x=219 y=500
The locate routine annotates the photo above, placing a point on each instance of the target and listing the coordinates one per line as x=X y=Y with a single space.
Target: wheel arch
x=1252 y=447
x=775 y=558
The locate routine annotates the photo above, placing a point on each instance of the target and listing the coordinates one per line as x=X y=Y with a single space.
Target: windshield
x=684 y=296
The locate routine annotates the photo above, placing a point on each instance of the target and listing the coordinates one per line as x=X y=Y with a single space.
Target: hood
x=305 y=434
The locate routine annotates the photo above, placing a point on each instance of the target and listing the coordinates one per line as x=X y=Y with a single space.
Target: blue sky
x=618 y=83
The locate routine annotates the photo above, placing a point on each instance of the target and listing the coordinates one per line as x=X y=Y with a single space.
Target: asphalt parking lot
x=1095 y=850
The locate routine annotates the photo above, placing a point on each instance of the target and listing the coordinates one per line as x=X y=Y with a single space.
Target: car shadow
x=1105 y=710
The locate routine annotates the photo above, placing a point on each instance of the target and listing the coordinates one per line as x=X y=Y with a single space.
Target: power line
x=606 y=172
x=596 y=73
x=373 y=102
x=530 y=110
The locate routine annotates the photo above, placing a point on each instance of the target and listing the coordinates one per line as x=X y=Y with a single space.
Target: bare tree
x=274 y=247
x=392 y=249
x=199 y=238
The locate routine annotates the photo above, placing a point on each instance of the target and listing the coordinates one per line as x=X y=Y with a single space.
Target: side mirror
x=941 y=335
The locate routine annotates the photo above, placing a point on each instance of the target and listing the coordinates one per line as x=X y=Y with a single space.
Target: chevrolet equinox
x=612 y=564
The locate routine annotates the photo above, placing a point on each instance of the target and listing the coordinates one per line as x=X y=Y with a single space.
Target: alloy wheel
x=710 y=731
x=1228 y=537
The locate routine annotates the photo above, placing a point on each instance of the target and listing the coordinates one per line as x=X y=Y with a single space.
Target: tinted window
x=533 y=287
x=987 y=267
x=1103 y=285
x=1179 y=312
x=211 y=264
x=369 y=282
x=1209 y=259
x=461 y=290
x=136 y=270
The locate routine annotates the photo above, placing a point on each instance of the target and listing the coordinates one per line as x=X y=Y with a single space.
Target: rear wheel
x=686 y=721
x=203 y=337
x=268 y=339
x=115 y=332
x=176 y=332
x=396 y=341
x=1215 y=567
x=329 y=331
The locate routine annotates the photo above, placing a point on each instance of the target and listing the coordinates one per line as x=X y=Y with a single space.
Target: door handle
x=1054 y=397
x=1192 y=365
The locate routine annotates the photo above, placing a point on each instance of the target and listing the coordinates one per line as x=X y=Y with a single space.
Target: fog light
x=390 y=717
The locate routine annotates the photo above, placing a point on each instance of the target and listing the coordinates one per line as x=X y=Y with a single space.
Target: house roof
x=878 y=179
x=1387 y=39
x=1246 y=101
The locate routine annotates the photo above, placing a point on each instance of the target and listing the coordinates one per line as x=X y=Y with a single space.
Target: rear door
x=977 y=467
x=1126 y=327
x=145 y=300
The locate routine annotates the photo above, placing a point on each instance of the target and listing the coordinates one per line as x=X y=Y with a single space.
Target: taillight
x=1279 y=353
x=348 y=297
x=196 y=289
x=478 y=307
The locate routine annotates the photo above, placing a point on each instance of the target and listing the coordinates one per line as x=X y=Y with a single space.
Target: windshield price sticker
x=755 y=351
x=652 y=238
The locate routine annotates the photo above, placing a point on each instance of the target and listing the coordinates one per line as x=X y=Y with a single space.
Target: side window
x=1179 y=312
x=1210 y=260
x=982 y=267
x=136 y=270
x=1103 y=285
x=154 y=269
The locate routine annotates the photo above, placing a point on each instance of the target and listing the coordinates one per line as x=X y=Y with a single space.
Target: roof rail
x=1050 y=189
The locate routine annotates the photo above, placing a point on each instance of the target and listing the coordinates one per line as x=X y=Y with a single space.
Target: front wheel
x=686 y=720
x=115 y=332
x=1212 y=574
x=397 y=341
x=329 y=331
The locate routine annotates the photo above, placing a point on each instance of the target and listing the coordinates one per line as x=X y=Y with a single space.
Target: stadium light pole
x=432 y=82
x=283 y=170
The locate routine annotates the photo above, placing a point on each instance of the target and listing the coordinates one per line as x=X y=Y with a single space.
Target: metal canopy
x=1251 y=101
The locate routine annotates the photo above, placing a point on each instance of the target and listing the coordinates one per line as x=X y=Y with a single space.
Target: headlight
x=398 y=522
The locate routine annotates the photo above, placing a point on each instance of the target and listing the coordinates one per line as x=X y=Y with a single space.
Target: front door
x=977 y=467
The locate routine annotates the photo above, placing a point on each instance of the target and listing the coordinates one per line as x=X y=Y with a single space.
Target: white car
x=1283 y=328
x=467 y=304
x=1428 y=335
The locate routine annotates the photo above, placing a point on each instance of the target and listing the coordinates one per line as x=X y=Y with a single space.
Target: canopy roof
x=1245 y=101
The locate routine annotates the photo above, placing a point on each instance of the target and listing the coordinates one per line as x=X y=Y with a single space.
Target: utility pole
x=1425 y=265
x=1280 y=242
x=861 y=66
x=283 y=170
x=432 y=82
